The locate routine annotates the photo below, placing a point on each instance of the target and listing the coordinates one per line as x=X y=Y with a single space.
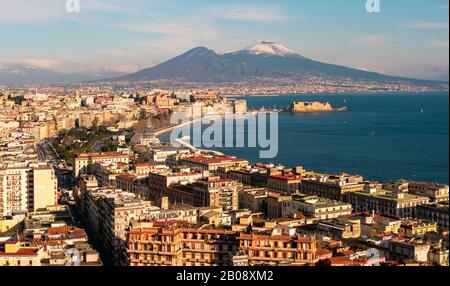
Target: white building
x=83 y=161
x=27 y=188
x=315 y=206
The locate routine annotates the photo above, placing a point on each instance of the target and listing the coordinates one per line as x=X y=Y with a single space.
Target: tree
x=324 y=263
x=109 y=146
x=95 y=124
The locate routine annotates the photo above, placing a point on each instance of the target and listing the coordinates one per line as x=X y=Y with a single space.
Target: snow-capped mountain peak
x=270 y=48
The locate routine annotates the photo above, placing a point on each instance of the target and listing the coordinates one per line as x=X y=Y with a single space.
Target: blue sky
x=408 y=37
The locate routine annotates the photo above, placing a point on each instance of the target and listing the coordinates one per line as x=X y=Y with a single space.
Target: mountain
x=270 y=49
x=16 y=74
x=260 y=61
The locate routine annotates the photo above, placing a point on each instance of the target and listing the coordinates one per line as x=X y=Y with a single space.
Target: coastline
x=362 y=93
x=167 y=129
x=364 y=128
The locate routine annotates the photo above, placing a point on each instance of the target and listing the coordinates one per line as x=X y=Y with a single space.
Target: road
x=64 y=174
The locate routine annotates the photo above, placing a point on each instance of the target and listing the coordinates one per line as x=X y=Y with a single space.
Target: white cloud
x=111 y=6
x=262 y=14
x=427 y=25
x=41 y=63
x=71 y=67
x=26 y=11
x=174 y=37
x=29 y=11
x=372 y=69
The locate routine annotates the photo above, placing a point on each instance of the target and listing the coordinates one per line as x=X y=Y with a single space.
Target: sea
x=384 y=136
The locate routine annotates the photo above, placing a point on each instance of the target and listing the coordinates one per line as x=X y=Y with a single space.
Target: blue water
x=384 y=136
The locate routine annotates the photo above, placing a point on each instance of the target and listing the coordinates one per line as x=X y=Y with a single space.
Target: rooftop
x=213 y=160
x=100 y=155
x=390 y=195
x=317 y=201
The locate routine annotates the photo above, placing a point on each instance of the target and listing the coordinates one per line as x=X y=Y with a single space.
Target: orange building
x=208 y=96
x=287 y=183
x=213 y=164
x=161 y=101
x=278 y=250
x=179 y=244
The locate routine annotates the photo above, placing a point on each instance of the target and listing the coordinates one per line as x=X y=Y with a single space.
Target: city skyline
x=112 y=36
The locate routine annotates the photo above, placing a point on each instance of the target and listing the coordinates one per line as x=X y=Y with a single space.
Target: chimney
x=164 y=203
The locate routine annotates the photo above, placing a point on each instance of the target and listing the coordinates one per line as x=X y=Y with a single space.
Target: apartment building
x=437 y=212
x=240 y=106
x=275 y=206
x=161 y=155
x=332 y=187
x=175 y=213
x=208 y=96
x=373 y=225
x=276 y=250
x=14 y=253
x=213 y=164
x=256 y=199
x=107 y=172
x=161 y=180
x=338 y=228
x=14 y=190
x=315 y=206
x=107 y=213
x=9 y=225
x=287 y=183
x=417 y=227
x=47 y=238
x=436 y=192
x=43 y=187
x=27 y=188
x=82 y=162
x=179 y=244
x=216 y=192
x=126 y=182
x=409 y=250
x=172 y=185
x=178 y=194
x=386 y=202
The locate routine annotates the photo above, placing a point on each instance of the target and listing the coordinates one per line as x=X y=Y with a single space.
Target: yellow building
x=51 y=128
x=14 y=254
x=413 y=228
x=9 y=223
x=45 y=187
